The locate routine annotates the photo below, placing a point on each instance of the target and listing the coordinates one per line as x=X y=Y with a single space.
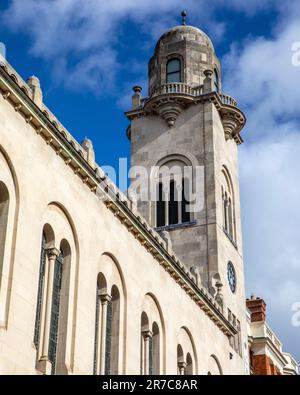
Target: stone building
x=94 y=282
x=265 y=349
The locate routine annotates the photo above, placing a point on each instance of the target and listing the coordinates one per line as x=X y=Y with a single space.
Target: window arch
x=174 y=189
x=55 y=309
x=214 y=367
x=173 y=70
x=9 y=210
x=38 y=313
x=112 y=333
x=150 y=347
x=109 y=319
x=228 y=207
x=189 y=364
x=216 y=80
x=4 y=206
x=155 y=349
x=151 y=338
x=56 y=295
x=186 y=355
x=51 y=320
x=107 y=329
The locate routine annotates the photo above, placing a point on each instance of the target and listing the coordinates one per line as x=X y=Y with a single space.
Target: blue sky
x=89 y=54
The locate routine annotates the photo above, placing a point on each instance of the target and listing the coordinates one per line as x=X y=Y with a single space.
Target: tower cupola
x=181 y=56
x=185 y=70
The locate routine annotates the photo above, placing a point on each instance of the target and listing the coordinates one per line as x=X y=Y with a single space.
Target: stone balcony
x=188 y=90
x=169 y=100
x=178 y=87
x=272 y=337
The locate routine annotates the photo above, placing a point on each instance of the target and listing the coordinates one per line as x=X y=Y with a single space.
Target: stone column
x=44 y=365
x=146 y=337
x=105 y=299
x=182 y=368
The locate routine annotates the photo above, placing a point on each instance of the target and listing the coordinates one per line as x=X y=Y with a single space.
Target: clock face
x=231 y=276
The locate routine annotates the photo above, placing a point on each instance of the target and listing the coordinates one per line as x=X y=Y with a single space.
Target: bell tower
x=186 y=122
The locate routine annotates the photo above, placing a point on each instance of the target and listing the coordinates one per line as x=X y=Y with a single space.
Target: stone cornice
x=114 y=200
x=268 y=343
x=232 y=117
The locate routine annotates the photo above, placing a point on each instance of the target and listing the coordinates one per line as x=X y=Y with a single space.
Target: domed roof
x=190 y=33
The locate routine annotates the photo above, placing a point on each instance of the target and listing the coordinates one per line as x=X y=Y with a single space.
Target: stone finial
x=35 y=86
x=219 y=295
x=166 y=237
x=87 y=145
x=183 y=15
x=196 y=272
x=136 y=97
x=208 y=81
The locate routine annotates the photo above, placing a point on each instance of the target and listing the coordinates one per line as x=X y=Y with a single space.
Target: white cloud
x=74 y=35
x=261 y=74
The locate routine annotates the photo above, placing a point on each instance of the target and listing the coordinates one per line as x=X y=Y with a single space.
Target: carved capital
x=52 y=253
x=182 y=365
x=147 y=334
x=105 y=298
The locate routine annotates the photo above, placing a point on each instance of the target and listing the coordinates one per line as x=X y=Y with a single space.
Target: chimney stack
x=257 y=308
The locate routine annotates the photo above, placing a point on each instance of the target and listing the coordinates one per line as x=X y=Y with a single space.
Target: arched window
x=189 y=364
x=112 y=333
x=214 y=367
x=151 y=338
x=52 y=305
x=173 y=70
x=37 y=327
x=185 y=365
x=4 y=205
x=107 y=329
x=186 y=356
x=216 y=80
x=228 y=206
x=174 y=189
x=155 y=349
x=146 y=345
x=230 y=219
x=172 y=206
x=55 y=310
x=181 y=365
x=150 y=346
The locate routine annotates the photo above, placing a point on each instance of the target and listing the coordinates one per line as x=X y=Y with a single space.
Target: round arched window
x=174 y=70
x=216 y=80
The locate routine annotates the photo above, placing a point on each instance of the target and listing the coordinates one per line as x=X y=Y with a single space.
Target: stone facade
x=87 y=284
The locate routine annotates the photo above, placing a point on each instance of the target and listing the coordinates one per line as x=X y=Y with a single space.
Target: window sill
x=176 y=226
x=230 y=239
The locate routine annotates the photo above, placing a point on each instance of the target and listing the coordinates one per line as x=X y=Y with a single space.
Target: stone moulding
x=169 y=105
x=112 y=198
